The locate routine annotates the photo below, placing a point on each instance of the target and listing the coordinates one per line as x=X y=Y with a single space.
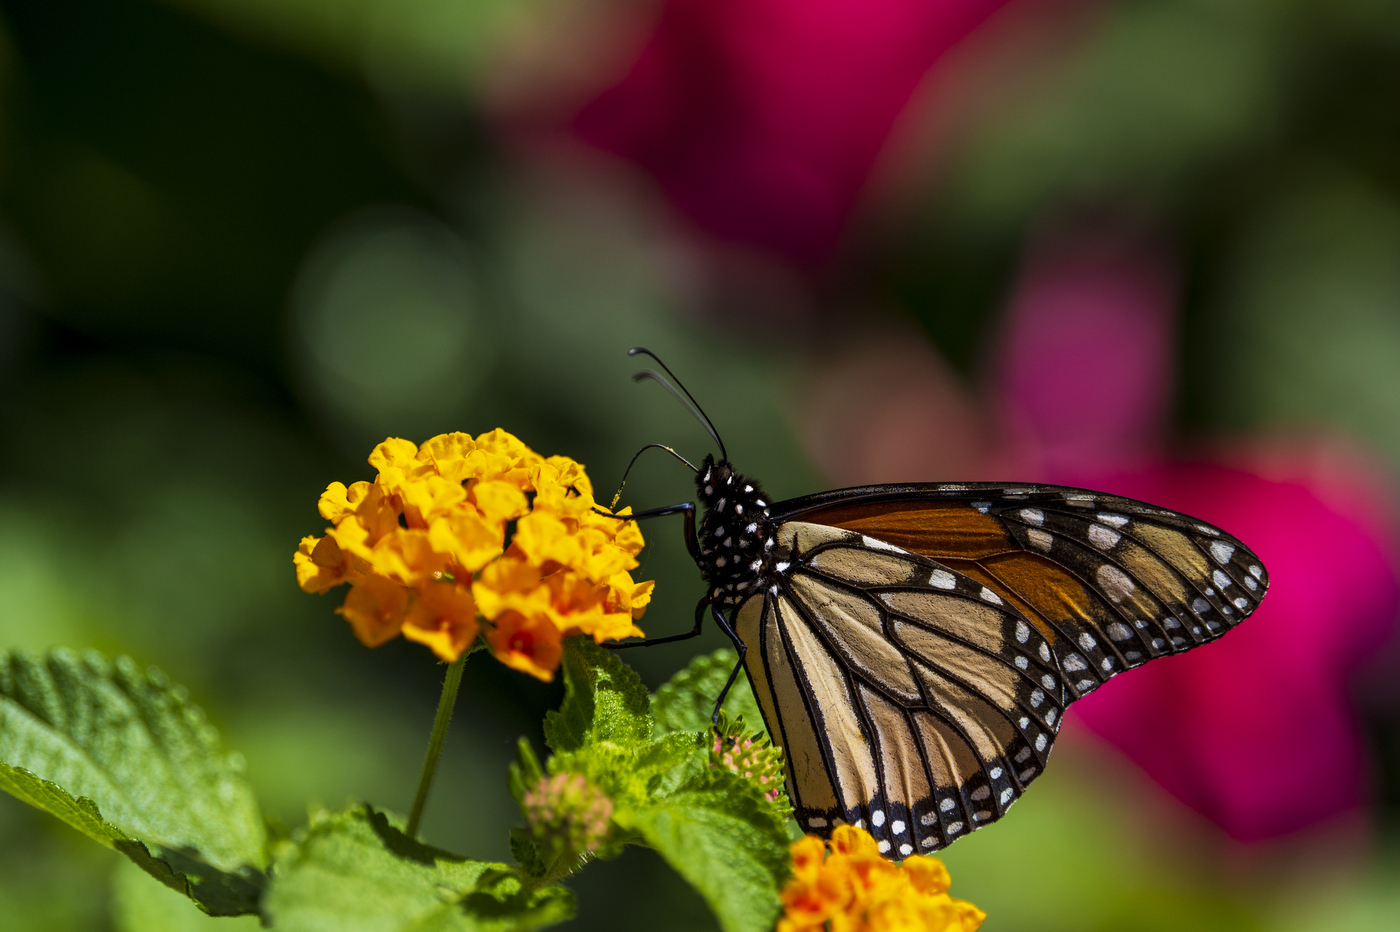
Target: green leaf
x=604 y=701
x=688 y=700
x=725 y=842
x=126 y=759
x=141 y=906
x=355 y=872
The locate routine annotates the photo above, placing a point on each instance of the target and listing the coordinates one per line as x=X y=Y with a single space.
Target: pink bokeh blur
x=1256 y=731
x=762 y=119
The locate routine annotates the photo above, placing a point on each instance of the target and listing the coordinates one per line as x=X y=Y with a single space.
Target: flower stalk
x=430 y=760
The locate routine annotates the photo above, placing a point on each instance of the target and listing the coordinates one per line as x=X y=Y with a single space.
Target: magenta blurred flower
x=1255 y=732
x=763 y=118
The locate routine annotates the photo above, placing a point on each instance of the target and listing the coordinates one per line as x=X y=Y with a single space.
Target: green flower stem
x=430 y=760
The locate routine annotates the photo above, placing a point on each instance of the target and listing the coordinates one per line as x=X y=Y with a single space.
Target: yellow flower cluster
x=856 y=890
x=424 y=548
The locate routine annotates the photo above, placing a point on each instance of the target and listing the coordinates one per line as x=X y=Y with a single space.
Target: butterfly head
x=737 y=538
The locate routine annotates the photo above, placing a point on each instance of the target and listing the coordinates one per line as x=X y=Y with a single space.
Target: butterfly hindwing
x=911 y=699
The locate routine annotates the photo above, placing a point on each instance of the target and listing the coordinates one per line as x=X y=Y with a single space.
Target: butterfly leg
x=739 y=646
x=648 y=642
x=692 y=546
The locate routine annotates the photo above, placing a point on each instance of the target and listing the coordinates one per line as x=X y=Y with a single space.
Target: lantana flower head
x=855 y=889
x=427 y=551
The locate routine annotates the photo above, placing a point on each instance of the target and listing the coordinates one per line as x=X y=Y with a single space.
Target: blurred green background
x=241 y=242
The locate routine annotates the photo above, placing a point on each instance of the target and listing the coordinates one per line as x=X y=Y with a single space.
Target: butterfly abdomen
x=739 y=553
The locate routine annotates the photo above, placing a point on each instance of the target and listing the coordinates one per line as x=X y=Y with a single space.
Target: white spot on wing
x=1207 y=529
x=1222 y=551
x=907 y=849
x=1074 y=663
x=1041 y=540
x=1114 y=582
x=884 y=846
x=1044 y=651
x=1199 y=606
x=946 y=806
x=1023 y=631
x=942 y=579
x=1113 y=520
x=1006 y=795
x=1033 y=516
x=981 y=793
x=1086 y=641
x=1119 y=631
x=1040 y=742
x=1022 y=663
x=1256 y=572
x=874 y=544
x=1047 y=681
x=1242 y=603
x=1037 y=698
x=897 y=827
x=817 y=822
x=990 y=596
x=877 y=818
x=1249 y=581
x=1221 y=579
x=1102 y=538
x=954 y=828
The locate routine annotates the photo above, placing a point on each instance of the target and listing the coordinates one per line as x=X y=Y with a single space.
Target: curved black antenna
x=659 y=446
x=688 y=400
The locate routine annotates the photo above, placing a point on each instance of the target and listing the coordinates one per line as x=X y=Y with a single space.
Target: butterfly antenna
x=687 y=399
x=651 y=446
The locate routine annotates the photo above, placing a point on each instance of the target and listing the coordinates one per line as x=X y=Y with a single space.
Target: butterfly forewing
x=915 y=654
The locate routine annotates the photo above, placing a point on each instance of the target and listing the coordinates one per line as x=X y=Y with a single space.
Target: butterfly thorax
x=737 y=543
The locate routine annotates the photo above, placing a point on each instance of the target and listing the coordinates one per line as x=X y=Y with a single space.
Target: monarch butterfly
x=913 y=647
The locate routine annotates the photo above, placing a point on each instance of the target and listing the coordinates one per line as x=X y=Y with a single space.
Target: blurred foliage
x=194 y=196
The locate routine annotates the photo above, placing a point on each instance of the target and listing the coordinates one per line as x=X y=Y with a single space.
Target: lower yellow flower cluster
x=424 y=547
x=856 y=890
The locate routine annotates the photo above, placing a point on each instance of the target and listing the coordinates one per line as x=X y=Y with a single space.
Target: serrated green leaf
x=123 y=757
x=355 y=872
x=604 y=701
x=728 y=845
x=687 y=701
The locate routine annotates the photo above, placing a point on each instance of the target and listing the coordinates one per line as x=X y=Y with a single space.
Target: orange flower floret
x=424 y=548
x=854 y=889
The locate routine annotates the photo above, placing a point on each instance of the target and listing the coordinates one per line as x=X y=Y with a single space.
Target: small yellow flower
x=424 y=550
x=854 y=889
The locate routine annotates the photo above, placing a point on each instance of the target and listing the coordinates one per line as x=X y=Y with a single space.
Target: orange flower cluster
x=424 y=548
x=856 y=890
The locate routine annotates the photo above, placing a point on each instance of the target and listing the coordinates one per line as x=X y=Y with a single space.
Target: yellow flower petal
x=500 y=501
x=444 y=618
x=394 y=453
x=471 y=540
x=531 y=645
x=375 y=608
x=450 y=455
x=407 y=557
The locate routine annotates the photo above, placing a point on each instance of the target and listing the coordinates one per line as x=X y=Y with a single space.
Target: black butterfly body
x=913 y=647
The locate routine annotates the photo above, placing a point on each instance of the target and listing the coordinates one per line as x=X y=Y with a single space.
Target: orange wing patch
x=939 y=530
